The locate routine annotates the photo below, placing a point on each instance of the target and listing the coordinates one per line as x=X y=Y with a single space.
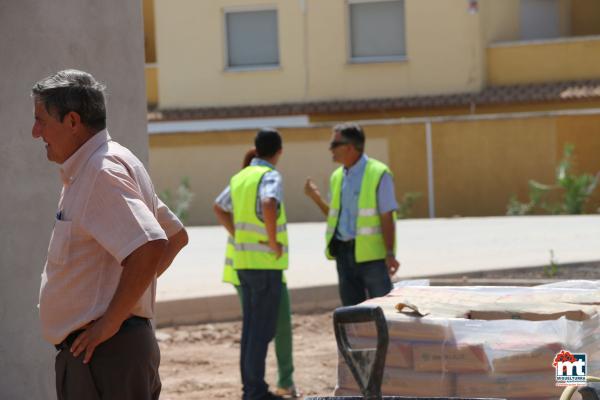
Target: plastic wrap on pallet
x=462 y=357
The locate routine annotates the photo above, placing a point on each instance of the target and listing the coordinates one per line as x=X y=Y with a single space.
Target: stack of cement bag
x=480 y=341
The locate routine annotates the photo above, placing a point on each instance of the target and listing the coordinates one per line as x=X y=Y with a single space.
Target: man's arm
x=388 y=228
x=311 y=190
x=269 y=208
x=225 y=218
x=176 y=242
x=139 y=269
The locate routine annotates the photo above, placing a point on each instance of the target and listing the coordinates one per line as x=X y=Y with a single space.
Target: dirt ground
x=201 y=361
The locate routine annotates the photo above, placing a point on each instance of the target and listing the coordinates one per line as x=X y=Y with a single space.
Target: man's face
x=53 y=132
x=339 y=147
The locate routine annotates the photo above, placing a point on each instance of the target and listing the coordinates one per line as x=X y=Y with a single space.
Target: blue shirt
x=351 y=183
x=270 y=187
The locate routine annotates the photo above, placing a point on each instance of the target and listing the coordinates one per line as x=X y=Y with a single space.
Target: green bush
x=407 y=203
x=181 y=201
x=574 y=190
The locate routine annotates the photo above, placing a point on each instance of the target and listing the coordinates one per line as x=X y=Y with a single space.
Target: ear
x=72 y=119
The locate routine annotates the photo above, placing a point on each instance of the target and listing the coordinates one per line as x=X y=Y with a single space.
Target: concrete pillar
x=39 y=38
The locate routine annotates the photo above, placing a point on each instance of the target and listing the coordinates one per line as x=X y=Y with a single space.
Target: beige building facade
x=327 y=50
x=465 y=99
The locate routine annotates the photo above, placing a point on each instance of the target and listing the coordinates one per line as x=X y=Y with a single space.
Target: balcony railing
x=551 y=60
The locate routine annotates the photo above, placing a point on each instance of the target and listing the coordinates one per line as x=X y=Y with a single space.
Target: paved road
x=426 y=247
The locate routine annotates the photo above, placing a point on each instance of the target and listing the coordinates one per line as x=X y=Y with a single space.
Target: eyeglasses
x=336 y=143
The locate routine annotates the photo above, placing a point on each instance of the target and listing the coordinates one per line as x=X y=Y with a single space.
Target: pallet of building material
x=507 y=358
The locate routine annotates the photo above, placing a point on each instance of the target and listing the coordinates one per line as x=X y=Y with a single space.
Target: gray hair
x=353 y=133
x=73 y=90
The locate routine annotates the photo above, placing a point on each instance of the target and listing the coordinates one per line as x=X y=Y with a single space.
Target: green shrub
x=181 y=201
x=574 y=190
x=405 y=206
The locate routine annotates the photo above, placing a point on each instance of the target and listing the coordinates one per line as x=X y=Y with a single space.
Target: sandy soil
x=201 y=361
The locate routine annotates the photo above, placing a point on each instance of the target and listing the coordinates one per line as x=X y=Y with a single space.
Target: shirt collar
x=261 y=163
x=358 y=166
x=74 y=164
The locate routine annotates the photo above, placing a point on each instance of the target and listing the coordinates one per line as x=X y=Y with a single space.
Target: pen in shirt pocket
x=59 y=215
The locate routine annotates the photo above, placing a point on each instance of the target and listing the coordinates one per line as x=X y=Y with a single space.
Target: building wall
x=56 y=35
x=313 y=55
x=149 y=31
x=188 y=42
x=190 y=50
x=479 y=162
x=585 y=17
x=503 y=19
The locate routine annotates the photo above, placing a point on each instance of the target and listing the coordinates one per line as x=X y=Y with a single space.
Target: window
x=251 y=38
x=376 y=30
x=540 y=19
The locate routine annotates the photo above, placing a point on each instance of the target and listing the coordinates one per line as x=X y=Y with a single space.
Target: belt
x=128 y=323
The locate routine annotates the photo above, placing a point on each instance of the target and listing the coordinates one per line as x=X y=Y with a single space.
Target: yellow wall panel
x=549 y=61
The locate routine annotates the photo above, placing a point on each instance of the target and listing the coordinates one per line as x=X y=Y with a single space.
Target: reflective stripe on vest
x=250 y=232
x=369 y=237
x=230 y=275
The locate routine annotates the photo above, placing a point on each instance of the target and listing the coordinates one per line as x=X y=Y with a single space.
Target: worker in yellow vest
x=361 y=218
x=251 y=209
x=283 y=332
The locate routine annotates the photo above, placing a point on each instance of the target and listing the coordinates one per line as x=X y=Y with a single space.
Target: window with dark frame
x=251 y=39
x=376 y=30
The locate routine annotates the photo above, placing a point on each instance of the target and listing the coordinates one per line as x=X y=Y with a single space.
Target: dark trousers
x=359 y=281
x=125 y=367
x=261 y=291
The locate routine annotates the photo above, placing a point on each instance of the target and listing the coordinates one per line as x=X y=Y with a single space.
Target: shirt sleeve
x=386 y=197
x=224 y=200
x=117 y=216
x=271 y=186
x=167 y=219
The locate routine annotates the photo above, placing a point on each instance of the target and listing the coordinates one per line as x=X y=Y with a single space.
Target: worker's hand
x=275 y=247
x=96 y=333
x=392 y=264
x=310 y=189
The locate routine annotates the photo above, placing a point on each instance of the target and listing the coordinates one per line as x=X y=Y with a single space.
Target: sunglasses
x=336 y=143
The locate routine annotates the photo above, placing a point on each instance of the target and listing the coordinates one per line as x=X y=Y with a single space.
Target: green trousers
x=283 y=339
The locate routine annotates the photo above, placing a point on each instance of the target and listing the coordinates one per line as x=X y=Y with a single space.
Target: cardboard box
x=399 y=353
x=532 y=385
x=406 y=328
x=514 y=355
x=449 y=357
x=531 y=312
x=400 y=382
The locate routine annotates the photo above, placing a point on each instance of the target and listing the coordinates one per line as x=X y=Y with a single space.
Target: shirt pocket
x=58 y=248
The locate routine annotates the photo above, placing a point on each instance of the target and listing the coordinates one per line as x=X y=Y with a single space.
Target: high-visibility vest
x=251 y=250
x=230 y=275
x=369 y=244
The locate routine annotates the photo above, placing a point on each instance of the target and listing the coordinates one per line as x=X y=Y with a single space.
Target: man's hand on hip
x=98 y=332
